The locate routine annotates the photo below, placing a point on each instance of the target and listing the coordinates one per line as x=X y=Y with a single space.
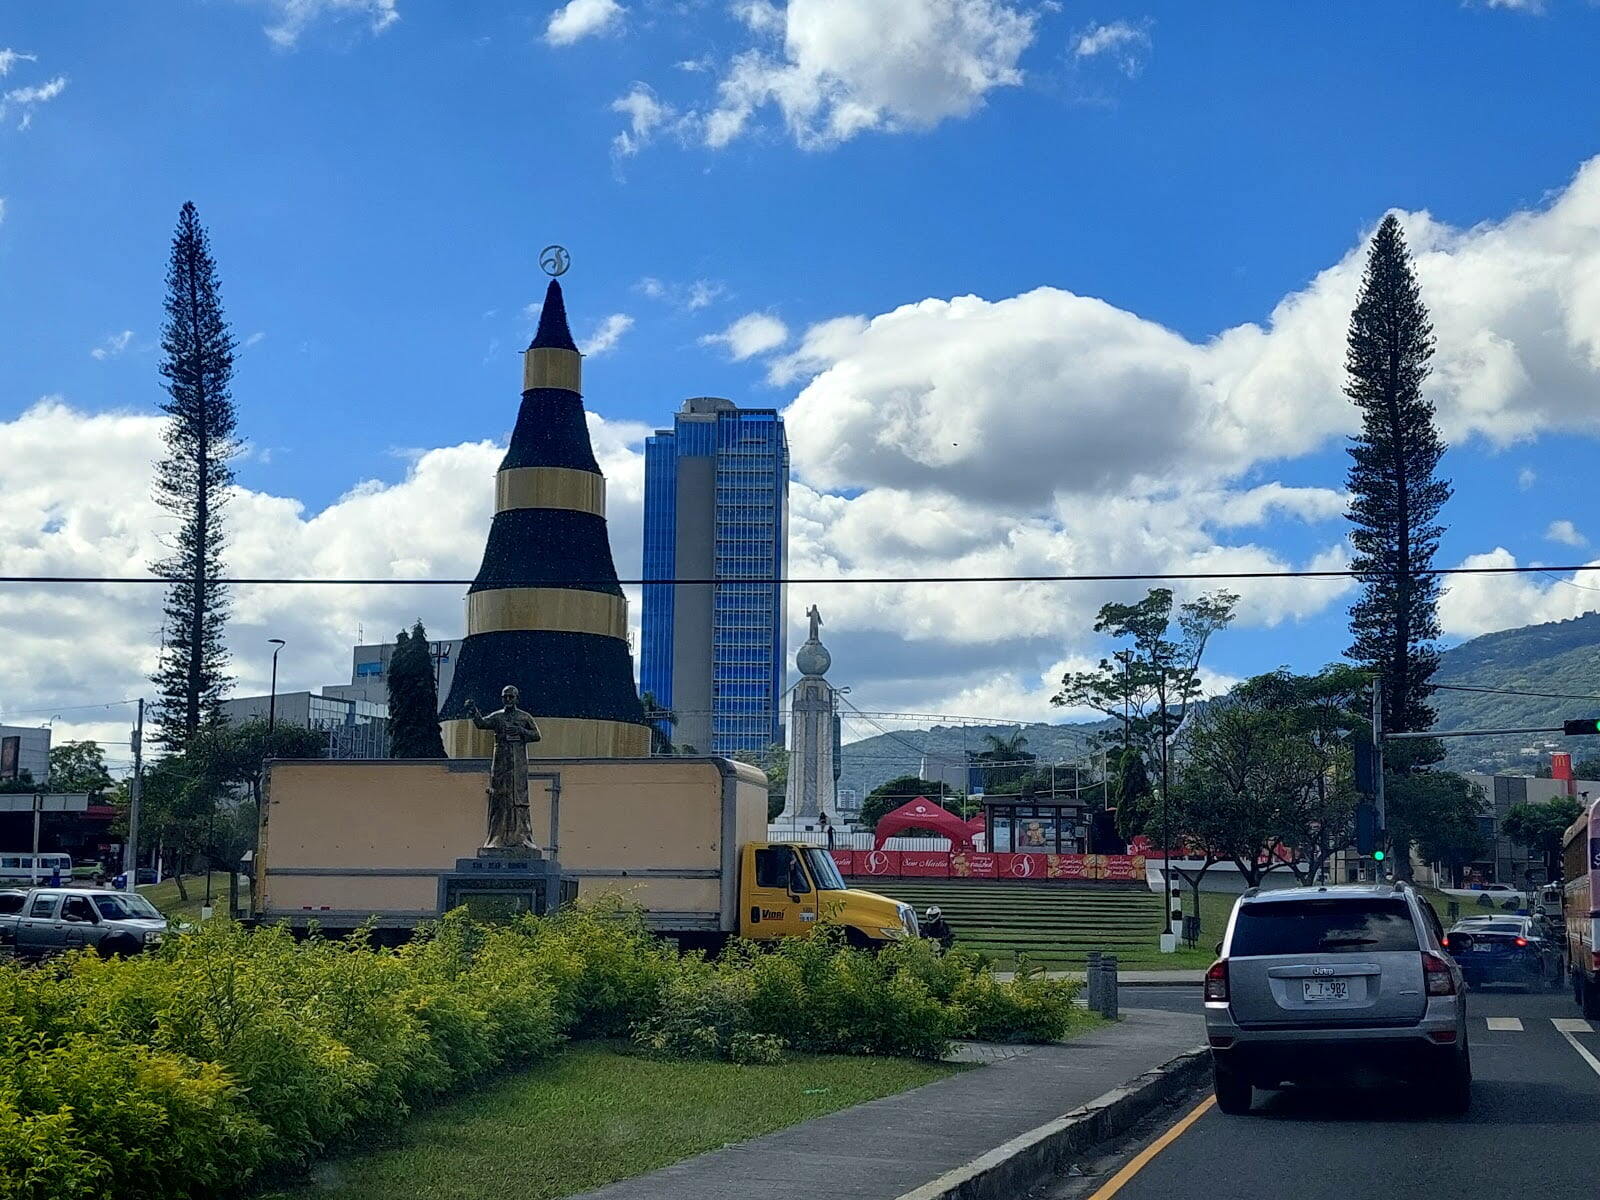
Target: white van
x=34 y=868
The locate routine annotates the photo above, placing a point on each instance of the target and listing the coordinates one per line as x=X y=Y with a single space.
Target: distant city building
x=847 y=801
x=369 y=671
x=716 y=507
x=24 y=752
x=813 y=732
x=354 y=728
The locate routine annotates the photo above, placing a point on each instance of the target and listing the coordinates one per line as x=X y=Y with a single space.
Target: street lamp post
x=272 y=696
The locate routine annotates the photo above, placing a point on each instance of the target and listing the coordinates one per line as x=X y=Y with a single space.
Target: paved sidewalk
x=882 y=1149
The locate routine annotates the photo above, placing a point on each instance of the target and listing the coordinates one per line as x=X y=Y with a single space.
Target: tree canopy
x=79 y=767
x=1541 y=827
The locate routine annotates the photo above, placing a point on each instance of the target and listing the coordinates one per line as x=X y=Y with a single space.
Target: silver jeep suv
x=1343 y=984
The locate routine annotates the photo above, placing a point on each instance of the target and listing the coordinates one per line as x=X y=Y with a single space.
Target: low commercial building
x=354 y=728
x=24 y=753
x=369 y=671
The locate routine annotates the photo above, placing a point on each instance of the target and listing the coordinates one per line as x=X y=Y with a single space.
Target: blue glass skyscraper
x=716 y=507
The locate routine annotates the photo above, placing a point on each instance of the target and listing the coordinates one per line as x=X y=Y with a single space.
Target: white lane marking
x=1505 y=1024
x=1594 y=1063
x=1572 y=1024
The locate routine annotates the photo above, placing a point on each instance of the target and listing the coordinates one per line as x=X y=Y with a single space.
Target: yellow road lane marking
x=1142 y=1159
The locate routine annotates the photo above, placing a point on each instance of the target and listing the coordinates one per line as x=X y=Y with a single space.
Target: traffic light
x=1366 y=766
x=1367 y=829
x=1379 y=855
x=1587 y=725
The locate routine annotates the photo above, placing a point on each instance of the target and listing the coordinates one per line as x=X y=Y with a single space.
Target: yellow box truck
x=344 y=842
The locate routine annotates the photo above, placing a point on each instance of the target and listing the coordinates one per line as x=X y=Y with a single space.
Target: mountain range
x=1560 y=661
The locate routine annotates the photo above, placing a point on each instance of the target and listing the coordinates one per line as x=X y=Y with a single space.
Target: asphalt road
x=1534 y=1127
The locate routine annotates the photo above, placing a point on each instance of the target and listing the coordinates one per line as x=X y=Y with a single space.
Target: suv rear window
x=1332 y=926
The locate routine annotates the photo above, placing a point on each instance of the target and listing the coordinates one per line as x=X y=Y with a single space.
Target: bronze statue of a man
x=513 y=729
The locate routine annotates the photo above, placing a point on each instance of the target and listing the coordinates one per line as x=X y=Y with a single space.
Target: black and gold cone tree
x=546 y=613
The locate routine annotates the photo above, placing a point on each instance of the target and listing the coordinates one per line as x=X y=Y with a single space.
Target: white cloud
x=28 y=99
x=579 y=19
x=1526 y=478
x=255 y=339
x=78 y=492
x=1566 y=533
x=752 y=334
x=1527 y=6
x=1022 y=398
x=10 y=58
x=113 y=345
x=837 y=68
x=645 y=115
x=293 y=17
x=1123 y=42
x=2 y=210
x=608 y=333
x=1470 y=605
x=690 y=297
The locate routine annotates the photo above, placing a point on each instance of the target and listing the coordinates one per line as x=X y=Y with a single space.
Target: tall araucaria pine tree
x=192 y=482
x=1395 y=495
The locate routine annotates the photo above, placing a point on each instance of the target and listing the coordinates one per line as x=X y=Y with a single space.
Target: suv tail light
x=1217 y=981
x=1521 y=941
x=1436 y=971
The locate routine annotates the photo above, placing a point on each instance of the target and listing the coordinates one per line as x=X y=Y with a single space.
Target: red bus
x=1580 y=858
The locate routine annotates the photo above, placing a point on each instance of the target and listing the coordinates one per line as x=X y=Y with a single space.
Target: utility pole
x=1379 y=863
x=130 y=860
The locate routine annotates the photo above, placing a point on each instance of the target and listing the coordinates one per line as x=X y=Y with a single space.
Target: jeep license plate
x=1327 y=989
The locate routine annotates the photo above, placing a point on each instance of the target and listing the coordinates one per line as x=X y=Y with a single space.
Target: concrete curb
x=1010 y=1170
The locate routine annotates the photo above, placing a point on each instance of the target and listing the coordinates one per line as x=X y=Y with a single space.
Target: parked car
x=53 y=920
x=146 y=875
x=1336 y=984
x=1514 y=950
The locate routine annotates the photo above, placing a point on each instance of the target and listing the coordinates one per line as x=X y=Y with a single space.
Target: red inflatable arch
x=923 y=813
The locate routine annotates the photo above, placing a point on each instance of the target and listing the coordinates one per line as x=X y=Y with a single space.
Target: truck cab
x=43 y=921
x=787 y=889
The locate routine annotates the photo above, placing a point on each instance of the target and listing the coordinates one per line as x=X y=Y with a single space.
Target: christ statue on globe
x=513 y=729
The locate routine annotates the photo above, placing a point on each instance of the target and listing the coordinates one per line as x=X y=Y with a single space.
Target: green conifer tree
x=413 y=698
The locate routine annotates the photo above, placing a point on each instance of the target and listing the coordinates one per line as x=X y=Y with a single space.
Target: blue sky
x=379 y=175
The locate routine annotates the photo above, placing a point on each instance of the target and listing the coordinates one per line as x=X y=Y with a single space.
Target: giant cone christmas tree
x=545 y=612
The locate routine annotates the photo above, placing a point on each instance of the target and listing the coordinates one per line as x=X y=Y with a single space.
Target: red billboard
x=941 y=864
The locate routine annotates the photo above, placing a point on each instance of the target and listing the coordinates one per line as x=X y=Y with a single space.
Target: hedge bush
x=185 y=1073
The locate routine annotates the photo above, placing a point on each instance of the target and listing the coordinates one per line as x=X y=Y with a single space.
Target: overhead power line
x=1124 y=577
x=1464 y=687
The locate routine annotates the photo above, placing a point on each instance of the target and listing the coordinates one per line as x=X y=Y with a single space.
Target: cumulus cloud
x=836 y=68
x=1123 y=42
x=291 y=18
x=1018 y=398
x=645 y=113
x=1566 y=533
x=1470 y=605
x=113 y=345
x=88 y=510
x=578 y=19
x=752 y=334
x=608 y=333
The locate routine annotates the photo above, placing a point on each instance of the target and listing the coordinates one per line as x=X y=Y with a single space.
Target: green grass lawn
x=595 y=1115
x=164 y=895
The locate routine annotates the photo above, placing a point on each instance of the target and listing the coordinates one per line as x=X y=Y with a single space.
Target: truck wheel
x=857 y=940
x=1233 y=1087
x=122 y=945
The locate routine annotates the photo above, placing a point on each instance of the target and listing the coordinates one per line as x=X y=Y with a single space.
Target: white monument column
x=811 y=713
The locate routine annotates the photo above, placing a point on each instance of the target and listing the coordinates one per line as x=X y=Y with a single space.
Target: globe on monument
x=813 y=659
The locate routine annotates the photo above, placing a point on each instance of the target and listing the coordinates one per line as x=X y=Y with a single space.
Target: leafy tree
x=1395 y=494
x=1323 y=713
x=1437 y=812
x=79 y=767
x=774 y=760
x=413 y=698
x=1006 y=761
x=887 y=797
x=191 y=804
x=1152 y=683
x=1541 y=827
x=23 y=784
x=192 y=485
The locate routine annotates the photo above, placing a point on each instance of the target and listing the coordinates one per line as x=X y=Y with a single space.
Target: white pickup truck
x=35 y=922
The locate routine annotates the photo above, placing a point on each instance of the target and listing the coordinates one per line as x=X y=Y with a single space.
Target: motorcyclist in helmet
x=936 y=927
